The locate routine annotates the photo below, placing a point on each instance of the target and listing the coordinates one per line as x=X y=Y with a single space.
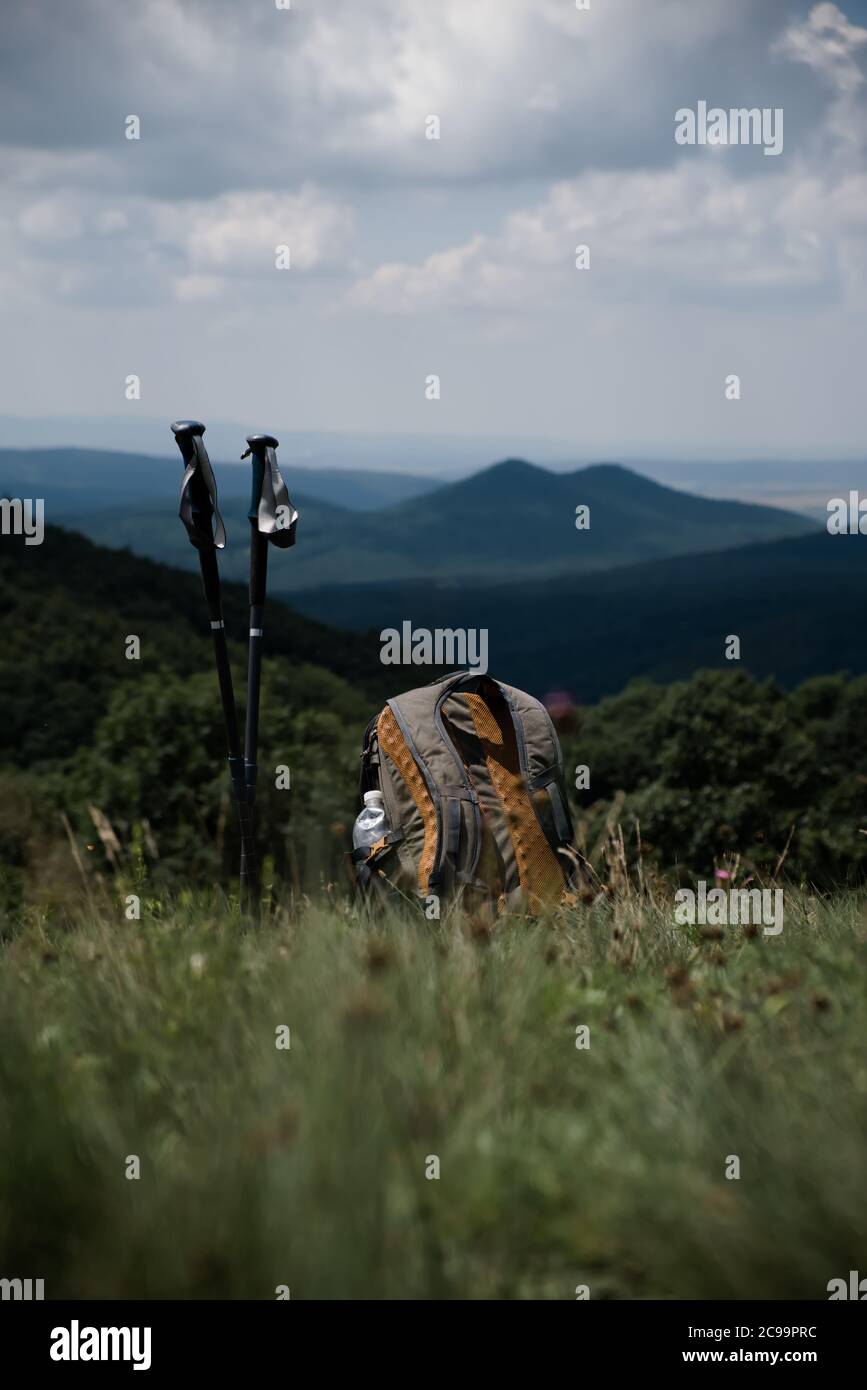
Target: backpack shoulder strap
x=498 y=718
x=396 y=742
x=418 y=717
x=544 y=758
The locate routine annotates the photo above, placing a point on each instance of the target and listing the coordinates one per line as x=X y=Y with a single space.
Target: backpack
x=471 y=775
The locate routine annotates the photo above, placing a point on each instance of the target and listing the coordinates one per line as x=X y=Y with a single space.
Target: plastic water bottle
x=370 y=823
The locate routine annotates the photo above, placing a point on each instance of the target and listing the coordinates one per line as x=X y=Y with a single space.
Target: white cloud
x=189 y=250
x=827 y=42
x=692 y=230
x=699 y=228
x=833 y=48
x=238 y=233
x=50 y=219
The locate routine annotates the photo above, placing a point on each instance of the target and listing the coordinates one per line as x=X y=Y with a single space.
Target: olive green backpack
x=471 y=775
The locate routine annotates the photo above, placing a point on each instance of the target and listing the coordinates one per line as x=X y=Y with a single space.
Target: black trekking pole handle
x=200 y=514
x=273 y=520
x=198 y=506
x=270 y=511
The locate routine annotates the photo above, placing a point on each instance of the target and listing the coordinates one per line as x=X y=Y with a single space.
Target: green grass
x=558 y=1166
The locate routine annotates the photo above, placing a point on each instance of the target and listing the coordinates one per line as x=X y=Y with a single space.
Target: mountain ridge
x=795 y=604
x=513 y=518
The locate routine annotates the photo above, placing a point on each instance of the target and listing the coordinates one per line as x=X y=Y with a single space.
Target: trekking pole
x=199 y=513
x=272 y=519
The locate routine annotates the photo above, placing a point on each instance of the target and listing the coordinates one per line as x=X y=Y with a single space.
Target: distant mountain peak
x=609 y=470
x=515 y=468
x=510 y=477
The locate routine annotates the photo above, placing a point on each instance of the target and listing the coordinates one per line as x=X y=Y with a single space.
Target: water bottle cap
x=373 y=798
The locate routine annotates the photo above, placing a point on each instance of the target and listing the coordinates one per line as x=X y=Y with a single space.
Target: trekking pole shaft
x=258 y=577
x=211 y=583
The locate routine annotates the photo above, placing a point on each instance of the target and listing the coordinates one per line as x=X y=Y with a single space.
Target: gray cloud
x=235 y=96
x=306 y=127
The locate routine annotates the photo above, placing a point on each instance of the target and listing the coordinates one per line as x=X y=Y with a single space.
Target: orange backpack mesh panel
x=539 y=869
x=392 y=742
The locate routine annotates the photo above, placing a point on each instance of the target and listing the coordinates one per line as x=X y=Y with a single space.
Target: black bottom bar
x=230 y=1338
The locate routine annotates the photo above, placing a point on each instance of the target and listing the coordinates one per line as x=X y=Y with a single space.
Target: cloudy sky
x=306 y=127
